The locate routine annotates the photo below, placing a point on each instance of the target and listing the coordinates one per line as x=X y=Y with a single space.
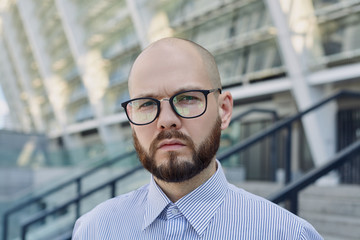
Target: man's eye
x=147 y=104
x=186 y=98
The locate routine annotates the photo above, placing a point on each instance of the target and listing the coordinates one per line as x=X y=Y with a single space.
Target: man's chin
x=175 y=171
x=177 y=156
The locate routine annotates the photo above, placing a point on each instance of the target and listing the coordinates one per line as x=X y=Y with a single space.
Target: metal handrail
x=76 y=200
x=76 y=180
x=286 y=123
x=244 y=114
x=291 y=190
x=275 y=118
x=281 y=124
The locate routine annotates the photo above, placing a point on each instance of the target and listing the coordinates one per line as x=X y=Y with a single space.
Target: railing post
x=113 y=186
x=288 y=155
x=273 y=156
x=78 y=191
x=23 y=232
x=5 y=225
x=294 y=202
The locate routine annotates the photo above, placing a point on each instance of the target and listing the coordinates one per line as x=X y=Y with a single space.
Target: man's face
x=172 y=148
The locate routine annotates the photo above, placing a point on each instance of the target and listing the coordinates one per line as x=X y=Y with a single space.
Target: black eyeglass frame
x=171 y=99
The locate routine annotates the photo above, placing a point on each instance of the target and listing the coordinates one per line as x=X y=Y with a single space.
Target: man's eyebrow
x=142 y=95
x=189 y=88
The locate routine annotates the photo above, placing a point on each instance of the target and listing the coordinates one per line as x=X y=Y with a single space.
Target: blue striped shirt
x=215 y=210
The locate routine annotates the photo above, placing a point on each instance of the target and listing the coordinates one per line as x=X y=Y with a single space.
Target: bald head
x=173 y=49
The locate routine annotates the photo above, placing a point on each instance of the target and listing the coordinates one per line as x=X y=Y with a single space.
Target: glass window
x=262 y=56
x=341 y=35
x=231 y=66
x=250 y=59
x=324 y=3
x=115 y=44
x=212 y=32
x=120 y=69
x=250 y=18
x=83 y=113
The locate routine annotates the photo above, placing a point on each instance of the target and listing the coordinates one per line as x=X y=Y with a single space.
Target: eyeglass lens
x=187 y=104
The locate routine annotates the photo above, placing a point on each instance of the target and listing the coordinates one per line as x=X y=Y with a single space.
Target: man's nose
x=167 y=118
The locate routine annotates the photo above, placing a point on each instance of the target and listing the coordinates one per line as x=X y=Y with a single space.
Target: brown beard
x=175 y=170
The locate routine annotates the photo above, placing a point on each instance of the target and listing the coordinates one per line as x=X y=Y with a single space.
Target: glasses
x=186 y=104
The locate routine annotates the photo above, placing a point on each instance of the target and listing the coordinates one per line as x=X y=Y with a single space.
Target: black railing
x=77 y=180
x=280 y=125
x=274 y=114
x=284 y=124
x=75 y=201
x=271 y=158
x=348 y=126
x=291 y=191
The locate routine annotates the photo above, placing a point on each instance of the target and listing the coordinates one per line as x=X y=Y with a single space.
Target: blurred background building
x=64 y=66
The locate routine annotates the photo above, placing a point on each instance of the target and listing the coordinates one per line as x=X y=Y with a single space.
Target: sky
x=3 y=108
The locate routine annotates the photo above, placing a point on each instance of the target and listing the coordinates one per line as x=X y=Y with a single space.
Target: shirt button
x=174 y=211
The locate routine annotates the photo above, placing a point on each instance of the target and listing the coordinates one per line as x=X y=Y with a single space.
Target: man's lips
x=171 y=144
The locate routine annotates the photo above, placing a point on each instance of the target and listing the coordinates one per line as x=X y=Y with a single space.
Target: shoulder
x=122 y=202
x=242 y=198
x=107 y=213
x=267 y=215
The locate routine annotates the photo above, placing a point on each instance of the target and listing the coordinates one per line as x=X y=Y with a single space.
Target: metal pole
x=113 y=186
x=294 y=202
x=288 y=155
x=5 y=225
x=23 y=232
x=78 y=190
x=273 y=156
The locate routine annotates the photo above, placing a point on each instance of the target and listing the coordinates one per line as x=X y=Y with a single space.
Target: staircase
x=334 y=211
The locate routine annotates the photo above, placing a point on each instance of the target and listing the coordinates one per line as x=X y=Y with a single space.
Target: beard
x=176 y=168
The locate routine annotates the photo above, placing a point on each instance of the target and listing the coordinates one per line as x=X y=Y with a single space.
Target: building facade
x=65 y=63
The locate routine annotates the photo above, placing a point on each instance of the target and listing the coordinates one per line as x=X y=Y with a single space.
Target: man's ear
x=225 y=109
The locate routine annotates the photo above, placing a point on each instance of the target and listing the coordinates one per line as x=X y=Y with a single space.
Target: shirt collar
x=156 y=202
x=198 y=207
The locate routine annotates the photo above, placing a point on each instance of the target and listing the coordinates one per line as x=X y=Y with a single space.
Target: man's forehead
x=164 y=51
x=159 y=65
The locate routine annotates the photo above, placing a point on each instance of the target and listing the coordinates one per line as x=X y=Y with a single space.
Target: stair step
x=336 y=225
x=342 y=200
x=341 y=191
x=329 y=237
x=263 y=189
x=328 y=205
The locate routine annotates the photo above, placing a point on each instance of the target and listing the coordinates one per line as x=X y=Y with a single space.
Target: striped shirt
x=215 y=210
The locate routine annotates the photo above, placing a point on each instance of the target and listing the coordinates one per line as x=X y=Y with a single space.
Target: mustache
x=169 y=135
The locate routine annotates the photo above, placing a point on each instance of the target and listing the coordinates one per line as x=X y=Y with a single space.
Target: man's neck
x=175 y=191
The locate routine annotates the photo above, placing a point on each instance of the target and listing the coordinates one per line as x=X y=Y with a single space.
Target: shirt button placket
x=175 y=224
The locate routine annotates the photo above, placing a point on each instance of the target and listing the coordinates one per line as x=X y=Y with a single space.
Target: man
x=177 y=111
